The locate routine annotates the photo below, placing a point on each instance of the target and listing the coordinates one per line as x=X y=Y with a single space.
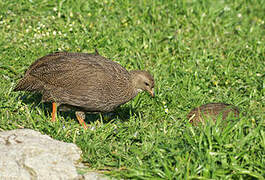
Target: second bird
x=85 y=82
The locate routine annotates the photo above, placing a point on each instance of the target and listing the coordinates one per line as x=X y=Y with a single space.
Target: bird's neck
x=134 y=80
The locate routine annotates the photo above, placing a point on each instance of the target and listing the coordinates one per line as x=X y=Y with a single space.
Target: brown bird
x=212 y=110
x=84 y=82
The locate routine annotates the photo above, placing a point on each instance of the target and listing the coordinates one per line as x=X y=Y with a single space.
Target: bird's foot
x=80 y=115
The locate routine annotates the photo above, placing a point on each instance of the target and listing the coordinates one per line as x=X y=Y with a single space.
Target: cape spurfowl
x=84 y=82
x=212 y=110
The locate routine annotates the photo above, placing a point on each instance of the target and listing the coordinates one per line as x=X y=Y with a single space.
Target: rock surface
x=95 y=176
x=27 y=154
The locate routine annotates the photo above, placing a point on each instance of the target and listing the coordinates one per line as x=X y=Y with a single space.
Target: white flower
x=227 y=8
x=251 y=29
x=92 y=128
x=239 y=15
x=135 y=134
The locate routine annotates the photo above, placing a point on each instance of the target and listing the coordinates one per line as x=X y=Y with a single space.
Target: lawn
x=198 y=51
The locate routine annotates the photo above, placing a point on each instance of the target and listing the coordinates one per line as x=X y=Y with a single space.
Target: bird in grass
x=212 y=110
x=84 y=82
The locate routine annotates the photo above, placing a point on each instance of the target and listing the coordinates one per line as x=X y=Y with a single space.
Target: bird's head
x=143 y=81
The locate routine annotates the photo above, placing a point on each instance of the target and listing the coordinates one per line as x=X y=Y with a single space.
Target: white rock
x=27 y=154
x=95 y=176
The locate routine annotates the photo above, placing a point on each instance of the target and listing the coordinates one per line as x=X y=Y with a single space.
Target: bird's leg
x=80 y=115
x=54 y=111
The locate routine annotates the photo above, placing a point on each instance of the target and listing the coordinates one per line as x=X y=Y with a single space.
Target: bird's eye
x=146 y=83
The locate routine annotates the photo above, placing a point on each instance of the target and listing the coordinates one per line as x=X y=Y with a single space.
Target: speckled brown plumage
x=88 y=82
x=212 y=110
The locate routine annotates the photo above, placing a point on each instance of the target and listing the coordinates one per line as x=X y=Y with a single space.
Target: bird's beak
x=152 y=92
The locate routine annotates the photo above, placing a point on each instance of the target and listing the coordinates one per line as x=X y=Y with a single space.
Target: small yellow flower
x=215 y=83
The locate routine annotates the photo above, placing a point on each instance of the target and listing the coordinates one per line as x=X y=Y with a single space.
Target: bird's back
x=212 y=110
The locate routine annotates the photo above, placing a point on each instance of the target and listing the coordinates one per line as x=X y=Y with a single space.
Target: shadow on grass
x=122 y=113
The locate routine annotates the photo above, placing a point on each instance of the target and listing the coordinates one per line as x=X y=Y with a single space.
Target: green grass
x=198 y=52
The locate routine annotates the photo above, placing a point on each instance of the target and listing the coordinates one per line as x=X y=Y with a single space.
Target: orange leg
x=80 y=117
x=54 y=111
